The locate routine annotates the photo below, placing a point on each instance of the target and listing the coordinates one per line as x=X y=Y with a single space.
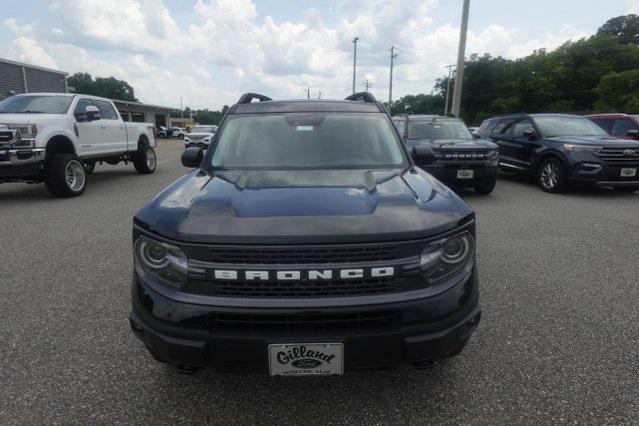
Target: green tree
x=109 y=87
x=619 y=91
x=625 y=28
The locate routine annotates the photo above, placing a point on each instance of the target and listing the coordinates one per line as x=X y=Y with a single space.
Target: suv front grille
x=303 y=255
x=461 y=155
x=298 y=289
x=618 y=156
x=300 y=323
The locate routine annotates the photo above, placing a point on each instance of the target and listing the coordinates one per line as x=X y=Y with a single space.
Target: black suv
x=560 y=149
x=461 y=160
x=304 y=242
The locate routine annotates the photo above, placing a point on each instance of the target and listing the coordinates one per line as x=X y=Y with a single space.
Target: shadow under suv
x=561 y=150
x=304 y=242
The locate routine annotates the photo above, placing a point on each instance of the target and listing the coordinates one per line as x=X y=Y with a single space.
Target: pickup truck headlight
x=442 y=258
x=588 y=149
x=26 y=135
x=493 y=154
x=163 y=261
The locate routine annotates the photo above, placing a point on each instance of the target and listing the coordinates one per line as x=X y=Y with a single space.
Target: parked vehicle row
x=559 y=150
x=58 y=138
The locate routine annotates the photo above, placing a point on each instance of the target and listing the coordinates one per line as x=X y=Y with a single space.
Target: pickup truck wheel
x=144 y=160
x=65 y=176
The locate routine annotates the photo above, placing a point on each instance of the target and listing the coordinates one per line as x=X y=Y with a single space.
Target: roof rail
x=247 y=98
x=362 y=97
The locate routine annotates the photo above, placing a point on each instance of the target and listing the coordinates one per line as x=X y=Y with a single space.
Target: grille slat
x=300 y=323
x=263 y=256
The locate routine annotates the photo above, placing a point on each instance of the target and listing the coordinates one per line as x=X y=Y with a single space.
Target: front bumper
x=237 y=338
x=198 y=144
x=484 y=173
x=17 y=164
x=604 y=175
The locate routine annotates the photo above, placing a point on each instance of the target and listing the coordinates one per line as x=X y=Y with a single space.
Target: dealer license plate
x=305 y=359
x=628 y=172
x=465 y=174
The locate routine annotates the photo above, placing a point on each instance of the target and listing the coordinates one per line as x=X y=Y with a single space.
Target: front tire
x=65 y=176
x=551 y=176
x=144 y=160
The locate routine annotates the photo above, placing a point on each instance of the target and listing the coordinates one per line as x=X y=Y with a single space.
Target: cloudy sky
x=210 y=51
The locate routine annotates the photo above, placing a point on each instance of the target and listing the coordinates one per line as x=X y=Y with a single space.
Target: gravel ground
x=557 y=343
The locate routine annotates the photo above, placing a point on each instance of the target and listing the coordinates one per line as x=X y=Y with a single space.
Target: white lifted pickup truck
x=57 y=138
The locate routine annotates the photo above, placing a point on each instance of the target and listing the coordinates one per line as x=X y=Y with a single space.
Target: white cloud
x=229 y=48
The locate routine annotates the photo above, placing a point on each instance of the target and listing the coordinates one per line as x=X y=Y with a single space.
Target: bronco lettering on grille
x=306 y=275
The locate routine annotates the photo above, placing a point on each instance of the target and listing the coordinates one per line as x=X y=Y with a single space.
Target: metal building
x=16 y=77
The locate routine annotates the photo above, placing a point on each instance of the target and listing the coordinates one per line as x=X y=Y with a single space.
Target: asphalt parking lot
x=558 y=341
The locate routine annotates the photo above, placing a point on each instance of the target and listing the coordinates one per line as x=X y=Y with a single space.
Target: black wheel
x=89 y=167
x=486 y=188
x=629 y=189
x=551 y=176
x=65 y=176
x=144 y=159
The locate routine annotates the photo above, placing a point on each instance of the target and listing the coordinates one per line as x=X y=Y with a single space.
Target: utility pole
x=390 y=85
x=308 y=92
x=450 y=75
x=459 y=75
x=367 y=84
x=181 y=107
x=319 y=95
x=355 y=40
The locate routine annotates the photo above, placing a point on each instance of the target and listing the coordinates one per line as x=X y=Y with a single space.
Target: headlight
x=164 y=261
x=589 y=149
x=187 y=139
x=493 y=154
x=26 y=135
x=207 y=139
x=444 y=257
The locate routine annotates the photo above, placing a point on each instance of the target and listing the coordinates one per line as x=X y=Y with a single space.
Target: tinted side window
x=621 y=126
x=504 y=127
x=522 y=126
x=106 y=110
x=604 y=124
x=81 y=106
x=486 y=128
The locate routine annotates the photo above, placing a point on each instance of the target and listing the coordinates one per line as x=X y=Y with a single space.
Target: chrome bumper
x=15 y=157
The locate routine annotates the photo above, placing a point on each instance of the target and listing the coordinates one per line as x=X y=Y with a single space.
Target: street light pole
x=450 y=75
x=355 y=40
x=459 y=76
x=393 y=55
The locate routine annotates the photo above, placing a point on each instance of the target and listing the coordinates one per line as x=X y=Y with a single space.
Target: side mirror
x=192 y=157
x=529 y=134
x=91 y=113
x=634 y=133
x=423 y=154
x=476 y=135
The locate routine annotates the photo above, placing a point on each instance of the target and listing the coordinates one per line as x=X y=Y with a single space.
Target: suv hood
x=27 y=118
x=454 y=144
x=594 y=140
x=290 y=207
x=200 y=134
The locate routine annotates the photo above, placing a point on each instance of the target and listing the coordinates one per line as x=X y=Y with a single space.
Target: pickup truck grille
x=619 y=155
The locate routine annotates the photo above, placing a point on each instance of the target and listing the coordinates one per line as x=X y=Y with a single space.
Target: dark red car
x=623 y=126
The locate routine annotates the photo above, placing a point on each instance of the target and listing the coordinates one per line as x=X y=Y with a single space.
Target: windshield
x=551 y=127
x=434 y=130
x=26 y=104
x=308 y=140
x=203 y=129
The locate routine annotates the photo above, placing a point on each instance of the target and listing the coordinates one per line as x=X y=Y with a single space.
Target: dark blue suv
x=559 y=150
x=304 y=242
